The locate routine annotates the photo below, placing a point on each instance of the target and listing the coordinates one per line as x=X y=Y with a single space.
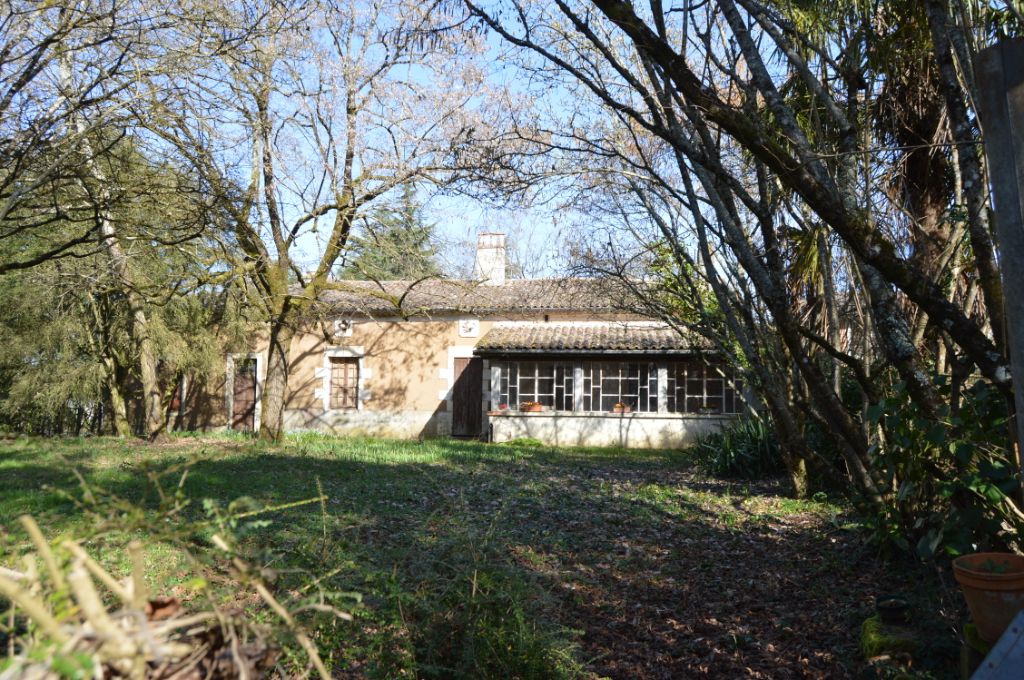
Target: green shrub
x=745 y=449
x=950 y=479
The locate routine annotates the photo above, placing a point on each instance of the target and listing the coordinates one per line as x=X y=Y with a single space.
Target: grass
x=463 y=559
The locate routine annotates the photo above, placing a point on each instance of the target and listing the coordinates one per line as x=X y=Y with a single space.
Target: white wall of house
x=627 y=430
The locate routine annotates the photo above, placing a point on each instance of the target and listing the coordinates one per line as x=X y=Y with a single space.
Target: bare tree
x=44 y=117
x=810 y=183
x=660 y=47
x=70 y=79
x=297 y=133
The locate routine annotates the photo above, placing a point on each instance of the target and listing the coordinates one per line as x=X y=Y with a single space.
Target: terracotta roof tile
x=604 y=337
x=474 y=297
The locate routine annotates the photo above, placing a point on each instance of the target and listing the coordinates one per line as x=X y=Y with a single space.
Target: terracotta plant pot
x=531 y=408
x=621 y=409
x=993 y=584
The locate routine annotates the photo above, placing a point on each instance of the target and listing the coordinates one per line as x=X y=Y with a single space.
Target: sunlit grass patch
x=454 y=558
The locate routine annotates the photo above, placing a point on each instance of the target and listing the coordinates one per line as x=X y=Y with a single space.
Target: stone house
x=491 y=358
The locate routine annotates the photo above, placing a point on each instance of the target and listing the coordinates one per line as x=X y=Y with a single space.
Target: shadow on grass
x=494 y=561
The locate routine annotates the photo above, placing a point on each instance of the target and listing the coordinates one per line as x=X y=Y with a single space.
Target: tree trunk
x=894 y=338
x=118 y=410
x=766 y=280
x=152 y=403
x=96 y=425
x=139 y=327
x=831 y=308
x=971 y=169
x=275 y=387
x=112 y=371
x=792 y=445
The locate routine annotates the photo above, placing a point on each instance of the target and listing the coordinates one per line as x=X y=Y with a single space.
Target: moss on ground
x=877 y=638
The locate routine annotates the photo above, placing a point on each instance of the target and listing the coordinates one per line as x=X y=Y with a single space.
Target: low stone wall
x=397 y=424
x=626 y=430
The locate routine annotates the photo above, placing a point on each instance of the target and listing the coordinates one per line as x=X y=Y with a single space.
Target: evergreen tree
x=396 y=244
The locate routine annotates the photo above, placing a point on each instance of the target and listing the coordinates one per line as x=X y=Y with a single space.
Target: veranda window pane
x=697 y=387
x=546 y=382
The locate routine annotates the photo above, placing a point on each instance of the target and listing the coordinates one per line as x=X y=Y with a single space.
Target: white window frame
x=362 y=394
x=654 y=373
x=570 y=372
x=740 y=402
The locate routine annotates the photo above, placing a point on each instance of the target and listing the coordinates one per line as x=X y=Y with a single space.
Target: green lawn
x=461 y=559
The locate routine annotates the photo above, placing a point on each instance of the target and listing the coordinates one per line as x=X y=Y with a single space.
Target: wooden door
x=243 y=405
x=467 y=398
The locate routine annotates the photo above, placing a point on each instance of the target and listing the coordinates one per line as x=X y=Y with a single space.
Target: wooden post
x=999 y=72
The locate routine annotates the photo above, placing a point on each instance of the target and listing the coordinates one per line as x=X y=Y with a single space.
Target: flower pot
x=531 y=408
x=993 y=585
x=621 y=409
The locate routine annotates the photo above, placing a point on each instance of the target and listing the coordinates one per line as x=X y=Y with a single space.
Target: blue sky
x=535 y=234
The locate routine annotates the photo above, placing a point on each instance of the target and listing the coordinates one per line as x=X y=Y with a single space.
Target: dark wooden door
x=243 y=404
x=467 y=398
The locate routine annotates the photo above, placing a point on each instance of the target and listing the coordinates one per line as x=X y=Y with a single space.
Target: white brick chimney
x=490 y=258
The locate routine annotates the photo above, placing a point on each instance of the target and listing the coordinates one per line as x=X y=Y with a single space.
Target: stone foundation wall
x=397 y=424
x=627 y=430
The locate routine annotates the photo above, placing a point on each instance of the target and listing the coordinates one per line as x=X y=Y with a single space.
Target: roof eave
x=427 y=311
x=485 y=351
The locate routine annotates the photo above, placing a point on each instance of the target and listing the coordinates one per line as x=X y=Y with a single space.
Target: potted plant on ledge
x=500 y=411
x=531 y=407
x=993 y=585
x=621 y=407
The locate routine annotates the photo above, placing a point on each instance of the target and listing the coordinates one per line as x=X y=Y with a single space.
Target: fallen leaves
x=690 y=582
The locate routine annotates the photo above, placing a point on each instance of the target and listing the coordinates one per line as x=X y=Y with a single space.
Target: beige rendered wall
x=406 y=376
x=207 y=403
